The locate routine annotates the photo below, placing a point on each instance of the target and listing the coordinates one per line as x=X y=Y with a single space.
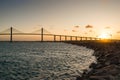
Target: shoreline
x=108 y=60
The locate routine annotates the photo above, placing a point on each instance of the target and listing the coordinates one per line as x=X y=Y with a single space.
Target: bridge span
x=43 y=32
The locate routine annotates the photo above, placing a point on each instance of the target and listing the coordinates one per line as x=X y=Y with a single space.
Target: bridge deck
x=42 y=32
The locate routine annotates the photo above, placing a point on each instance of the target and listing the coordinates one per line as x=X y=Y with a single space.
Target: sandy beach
x=108 y=60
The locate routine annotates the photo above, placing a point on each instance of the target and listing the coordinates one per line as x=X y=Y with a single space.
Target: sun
x=105 y=36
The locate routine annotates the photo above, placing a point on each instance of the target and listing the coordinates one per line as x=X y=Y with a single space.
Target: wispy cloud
x=107 y=27
x=88 y=26
x=118 y=32
x=74 y=31
x=76 y=26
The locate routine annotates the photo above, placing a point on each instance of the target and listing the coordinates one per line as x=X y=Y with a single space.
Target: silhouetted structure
x=42 y=32
x=11 y=34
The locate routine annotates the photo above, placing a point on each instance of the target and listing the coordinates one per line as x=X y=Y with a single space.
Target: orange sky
x=62 y=17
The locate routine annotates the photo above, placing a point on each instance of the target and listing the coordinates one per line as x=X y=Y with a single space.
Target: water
x=43 y=61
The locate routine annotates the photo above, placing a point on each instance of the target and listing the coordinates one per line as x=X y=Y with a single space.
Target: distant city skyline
x=73 y=17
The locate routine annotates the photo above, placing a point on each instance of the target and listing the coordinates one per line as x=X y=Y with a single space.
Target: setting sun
x=105 y=36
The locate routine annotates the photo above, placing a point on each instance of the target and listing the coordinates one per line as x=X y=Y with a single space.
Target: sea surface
x=43 y=61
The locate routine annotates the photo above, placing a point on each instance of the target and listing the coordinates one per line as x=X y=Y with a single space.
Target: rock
x=106 y=77
x=97 y=77
x=107 y=63
x=108 y=60
x=93 y=65
x=79 y=78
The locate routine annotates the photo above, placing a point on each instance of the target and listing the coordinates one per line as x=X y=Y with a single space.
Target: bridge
x=43 y=32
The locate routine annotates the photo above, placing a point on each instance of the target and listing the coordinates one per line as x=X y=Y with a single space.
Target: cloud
x=88 y=26
x=76 y=26
x=107 y=27
x=74 y=31
x=90 y=30
x=118 y=32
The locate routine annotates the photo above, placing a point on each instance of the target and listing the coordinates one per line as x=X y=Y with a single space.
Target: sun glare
x=104 y=36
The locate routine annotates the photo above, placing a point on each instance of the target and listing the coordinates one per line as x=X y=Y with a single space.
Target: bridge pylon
x=41 y=34
x=11 y=34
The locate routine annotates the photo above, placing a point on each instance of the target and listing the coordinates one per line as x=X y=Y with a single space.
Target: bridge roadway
x=24 y=34
x=42 y=33
x=86 y=38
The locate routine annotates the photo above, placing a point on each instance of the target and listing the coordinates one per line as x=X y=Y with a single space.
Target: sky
x=70 y=17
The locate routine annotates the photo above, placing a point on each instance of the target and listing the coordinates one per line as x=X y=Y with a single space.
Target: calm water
x=43 y=61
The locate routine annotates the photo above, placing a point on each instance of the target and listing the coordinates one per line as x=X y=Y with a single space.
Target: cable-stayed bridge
x=43 y=32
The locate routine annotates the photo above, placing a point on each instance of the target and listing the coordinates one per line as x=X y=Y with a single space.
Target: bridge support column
x=80 y=38
x=54 y=38
x=11 y=33
x=76 y=38
x=65 y=38
x=41 y=34
x=70 y=38
x=90 y=38
x=60 y=37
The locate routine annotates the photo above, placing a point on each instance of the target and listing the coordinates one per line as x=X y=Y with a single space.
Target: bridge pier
x=70 y=38
x=41 y=34
x=90 y=38
x=76 y=38
x=60 y=37
x=11 y=33
x=54 y=38
x=65 y=38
